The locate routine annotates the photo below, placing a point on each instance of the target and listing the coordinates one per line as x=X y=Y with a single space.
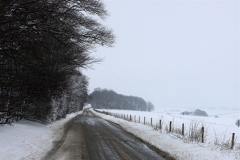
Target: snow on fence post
x=183 y=129
x=170 y=126
x=160 y=124
x=233 y=137
x=202 y=134
x=144 y=120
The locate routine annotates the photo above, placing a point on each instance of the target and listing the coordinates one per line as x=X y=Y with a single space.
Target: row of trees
x=43 y=46
x=108 y=99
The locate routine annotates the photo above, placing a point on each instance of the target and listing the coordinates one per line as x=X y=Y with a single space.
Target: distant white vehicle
x=87 y=106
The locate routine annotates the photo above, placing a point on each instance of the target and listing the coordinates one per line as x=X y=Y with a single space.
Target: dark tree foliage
x=42 y=46
x=108 y=99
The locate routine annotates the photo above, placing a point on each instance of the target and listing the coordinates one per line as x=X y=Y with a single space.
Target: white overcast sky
x=172 y=53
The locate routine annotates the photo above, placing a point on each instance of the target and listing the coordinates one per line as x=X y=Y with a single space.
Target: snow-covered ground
x=30 y=140
x=217 y=130
x=27 y=140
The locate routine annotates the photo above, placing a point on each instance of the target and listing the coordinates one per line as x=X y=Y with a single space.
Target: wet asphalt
x=89 y=137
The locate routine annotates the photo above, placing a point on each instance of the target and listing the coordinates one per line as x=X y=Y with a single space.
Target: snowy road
x=89 y=137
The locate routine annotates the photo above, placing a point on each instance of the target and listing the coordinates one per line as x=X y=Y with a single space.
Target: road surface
x=89 y=137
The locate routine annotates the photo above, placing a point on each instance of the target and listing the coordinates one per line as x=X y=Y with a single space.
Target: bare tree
x=42 y=44
x=150 y=106
x=238 y=122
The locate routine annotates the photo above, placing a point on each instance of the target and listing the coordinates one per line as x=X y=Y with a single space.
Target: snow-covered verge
x=30 y=140
x=27 y=140
x=170 y=143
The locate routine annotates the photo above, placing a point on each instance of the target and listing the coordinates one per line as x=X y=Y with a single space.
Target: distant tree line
x=108 y=99
x=43 y=46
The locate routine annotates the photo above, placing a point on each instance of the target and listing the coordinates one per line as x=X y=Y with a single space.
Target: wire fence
x=197 y=131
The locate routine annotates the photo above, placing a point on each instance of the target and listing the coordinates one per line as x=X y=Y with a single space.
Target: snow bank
x=30 y=140
x=178 y=148
x=27 y=140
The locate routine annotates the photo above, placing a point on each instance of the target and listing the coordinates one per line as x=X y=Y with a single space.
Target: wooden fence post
x=170 y=126
x=130 y=117
x=139 y=119
x=144 y=120
x=202 y=134
x=151 y=121
x=233 y=137
x=183 y=129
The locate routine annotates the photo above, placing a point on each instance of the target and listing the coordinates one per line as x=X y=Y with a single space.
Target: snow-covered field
x=218 y=132
x=29 y=140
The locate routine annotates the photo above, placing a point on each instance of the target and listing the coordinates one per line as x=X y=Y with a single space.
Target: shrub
x=238 y=122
